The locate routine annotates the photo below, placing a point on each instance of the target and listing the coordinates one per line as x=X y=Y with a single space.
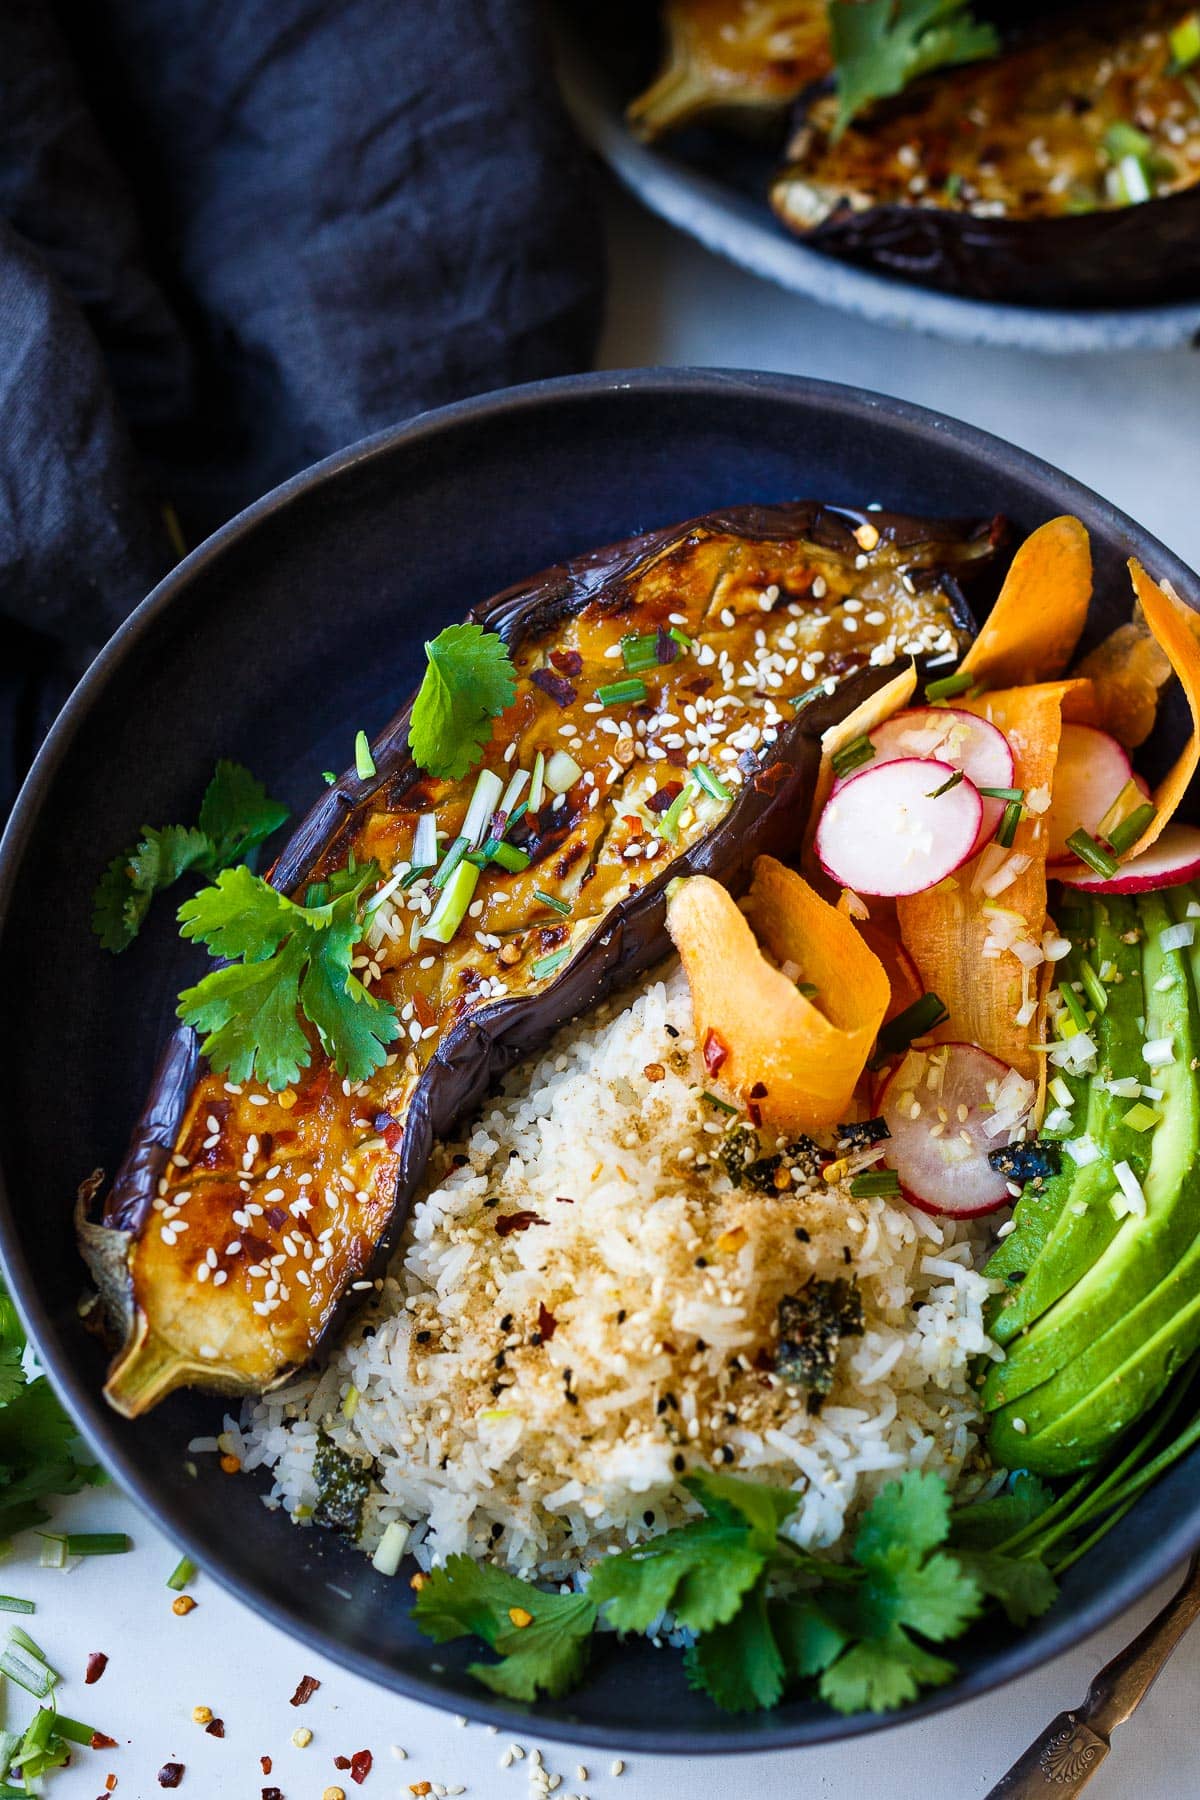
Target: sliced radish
x=938 y=1105
x=1090 y=772
x=1174 y=858
x=950 y=735
x=889 y=831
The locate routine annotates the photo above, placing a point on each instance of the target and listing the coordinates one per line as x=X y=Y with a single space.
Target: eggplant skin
x=630 y=937
x=993 y=181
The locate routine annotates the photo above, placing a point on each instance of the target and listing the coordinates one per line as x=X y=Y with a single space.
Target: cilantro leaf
x=701 y=1572
x=468 y=682
x=933 y=1596
x=237 y=815
x=879 y=46
x=739 y=1665
x=808 y=1639
x=986 y=1524
x=1022 y=1585
x=733 y=1499
x=881 y=1674
x=295 y=962
x=913 y=1512
x=468 y=1599
x=40 y=1451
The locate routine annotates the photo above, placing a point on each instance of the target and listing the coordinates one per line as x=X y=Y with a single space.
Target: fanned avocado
x=1062 y=1230
x=1104 y=1351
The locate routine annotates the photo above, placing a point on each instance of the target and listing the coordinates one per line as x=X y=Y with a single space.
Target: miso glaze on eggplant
x=242 y=1221
x=1066 y=170
x=743 y=60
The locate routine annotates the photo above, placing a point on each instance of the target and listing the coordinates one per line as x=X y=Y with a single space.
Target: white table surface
x=1129 y=426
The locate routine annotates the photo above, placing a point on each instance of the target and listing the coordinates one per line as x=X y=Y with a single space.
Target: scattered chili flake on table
x=215 y=1728
x=271 y=1794
x=170 y=1775
x=360 y=1765
x=97 y=1662
x=100 y=1741
x=305 y=1689
x=264 y=1763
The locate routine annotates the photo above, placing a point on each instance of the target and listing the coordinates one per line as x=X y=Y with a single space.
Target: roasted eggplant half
x=739 y=61
x=243 y=1220
x=1065 y=171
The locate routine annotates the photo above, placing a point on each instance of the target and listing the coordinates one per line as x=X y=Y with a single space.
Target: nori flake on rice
x=812 y=1325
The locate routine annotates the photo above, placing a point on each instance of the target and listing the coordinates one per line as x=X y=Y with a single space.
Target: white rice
x=663 y=1284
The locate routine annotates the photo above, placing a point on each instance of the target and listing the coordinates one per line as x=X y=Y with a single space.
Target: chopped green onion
x=390 y=1550
x=1088 y=851
x=364 y=762
x=488 y=789
x=97 y=1543
x=1185 y=43
x=809 y=989
x=1006 y=831
x=951 y=781
x=328 y=776
x=640 y=652
x=10 y=1603
x=53 y=1553
x=35 y=1677
x=450 y=862
x=1141 y=1117
x=74 y=1730
x=451 y=909
x=884 y=1183
x=853 y=755
x=621 y=693
x=518 y=813
x=183 y=1572
x=23 y=1641
x=808 y=696
x=715 y=1100
x=668 y=822
x=949 y=685
x=424 y=850
x=1093 y=987
x=562 y=906
x=1124 y=836
x=1074 y=1006
x=712 y=784
x=413 y=876
x=1122 y=139
x=382 y=895
x=512 y=793
x=511 y=858
x=1003 y=793
x=1127 y=801
x=37 y=1734
x=562 y=772
x=537 y=785
x=9 y=1744
x=681 y=638
x=350 y=1402
x=550 y=965
x=914 y=1022
x=1133 y=181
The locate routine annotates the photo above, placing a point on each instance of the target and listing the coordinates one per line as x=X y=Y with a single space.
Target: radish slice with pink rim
x=888 y=830
x=946 y=1106
x=949 y=734
x=1090 y=772
x=1173 y=858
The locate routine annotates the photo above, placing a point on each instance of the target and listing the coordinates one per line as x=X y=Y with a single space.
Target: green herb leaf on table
x=236 y=816
x=287 y=962
x=879 y=46
x=468 y=682
x=548 y=1655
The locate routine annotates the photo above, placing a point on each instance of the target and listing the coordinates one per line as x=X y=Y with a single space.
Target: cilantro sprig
x=469 y=680
x=40 y=1450
x=287 y=963
x=765 y=1614
x=879 y=46
x=236 y=816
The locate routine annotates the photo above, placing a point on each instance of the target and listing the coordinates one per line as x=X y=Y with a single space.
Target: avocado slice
x=1106 y=1350
x=1061 y=1232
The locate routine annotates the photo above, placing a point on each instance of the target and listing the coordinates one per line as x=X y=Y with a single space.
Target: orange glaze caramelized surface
x=272 y=1205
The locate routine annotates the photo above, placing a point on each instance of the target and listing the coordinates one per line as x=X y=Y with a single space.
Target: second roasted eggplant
x=670 y=695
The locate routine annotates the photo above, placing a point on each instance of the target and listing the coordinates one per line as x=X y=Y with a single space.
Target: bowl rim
x=86 y=1404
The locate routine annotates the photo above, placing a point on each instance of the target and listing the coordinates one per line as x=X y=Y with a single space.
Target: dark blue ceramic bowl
x=274 y=642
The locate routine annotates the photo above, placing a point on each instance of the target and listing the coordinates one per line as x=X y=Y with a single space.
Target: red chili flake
x=170 y=1775
x=563 y=1200
x=306 y=1688
x=341 y=1762
x=699 y=684
x=754 y=1112
x=667 y=794
x=276 y=1217
x=271 y=1794
x=264 y=1763
x=215 y=1728
x=547 y=1323
x=716 y=1051
x=677 y=756
x=423 y=1011
x=99 y=1741
x=360 y=1766
x=561 y=692
x=110 y=1782
x=518 y=1221
x=758 y=1091
x=770 y=779
x=567 y=662
x=392 y=1135
x=97 y=1662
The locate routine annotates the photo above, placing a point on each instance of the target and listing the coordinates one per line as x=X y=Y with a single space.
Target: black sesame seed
x=506 y=1322
x=648 y=1515
x=726 y=1453
x=802 y=1236
x=702 y=1262
x=679 y=1464
x=423 y=1337
x=672 y=1031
